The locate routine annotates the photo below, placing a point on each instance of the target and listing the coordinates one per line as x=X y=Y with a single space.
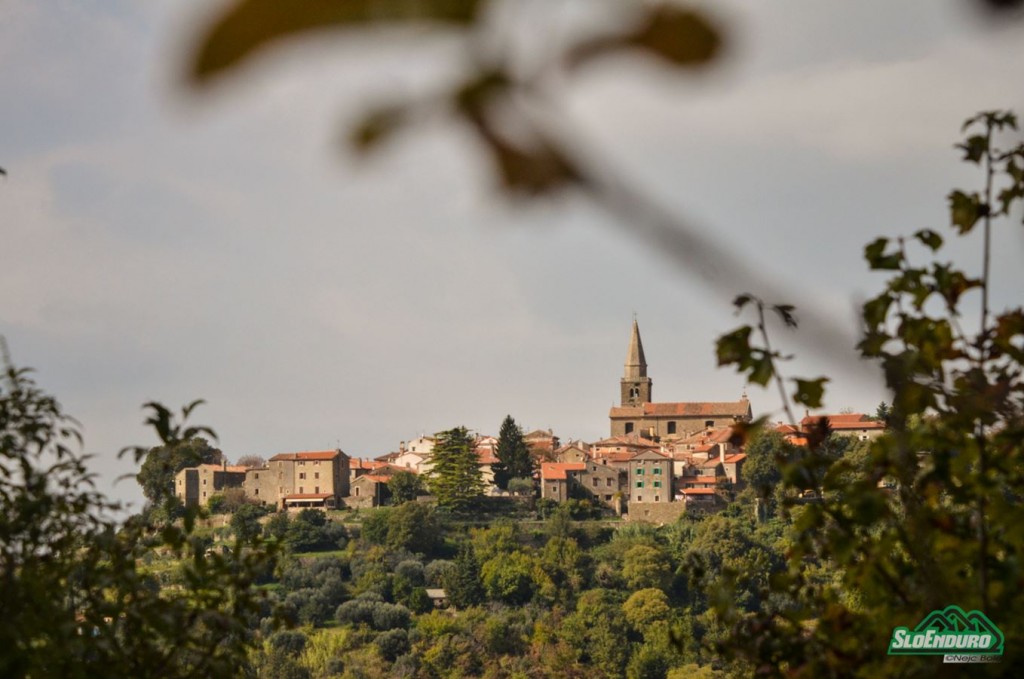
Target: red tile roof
x=308 y=455
x=737 y=457
x=843 y=421
x=557 y=470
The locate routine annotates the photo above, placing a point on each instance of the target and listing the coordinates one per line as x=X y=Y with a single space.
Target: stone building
x=556 y=479
x=306 y=479
x=650 y=478
x=638 y=414
x=196 y=485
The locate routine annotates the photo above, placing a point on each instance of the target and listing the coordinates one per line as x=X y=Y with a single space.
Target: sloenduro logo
x=960 y=637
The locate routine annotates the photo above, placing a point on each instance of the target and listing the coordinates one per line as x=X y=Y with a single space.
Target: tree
x=455 y=478
x=245 y=523
x=462 y=581
x=514 y=459
x=932 y=515
x=76 y=601
x=251 y=461
x=162 y=462
x=405 y=487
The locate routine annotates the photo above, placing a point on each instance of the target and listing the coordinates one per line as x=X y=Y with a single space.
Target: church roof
x=634 y=356
x=739 y=408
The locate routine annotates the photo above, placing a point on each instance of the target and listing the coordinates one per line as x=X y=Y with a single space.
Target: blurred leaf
x=965 y=210
x=678 y=36
x=785 y=312
x=742 y=300
x=974 y=148
x=810 y=392
x=734 y=347
x=376 y=127
x=874 y=253
x=929 y=238
x=530 y=163
x=250 y=25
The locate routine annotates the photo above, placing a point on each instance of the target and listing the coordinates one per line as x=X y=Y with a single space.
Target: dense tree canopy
x=455 y=478
x=162 y=462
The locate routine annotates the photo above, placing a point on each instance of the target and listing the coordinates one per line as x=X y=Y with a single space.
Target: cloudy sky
x=162 y=245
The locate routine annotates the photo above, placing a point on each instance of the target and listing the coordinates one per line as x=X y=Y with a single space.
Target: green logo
x=952 y=633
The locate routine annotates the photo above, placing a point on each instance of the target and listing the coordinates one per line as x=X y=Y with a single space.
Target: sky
x=163 y=244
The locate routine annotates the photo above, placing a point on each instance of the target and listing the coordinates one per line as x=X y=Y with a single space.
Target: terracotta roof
x=844 y=421
x=699 y=491
x=557 y=470
x=634 y=440
x=739 y=408
x=357 y=463
x=703 y=479
x=308 y=455
x=736 y=457
x=615 y=457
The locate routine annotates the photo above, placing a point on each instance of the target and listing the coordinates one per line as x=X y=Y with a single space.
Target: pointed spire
x=636 y=363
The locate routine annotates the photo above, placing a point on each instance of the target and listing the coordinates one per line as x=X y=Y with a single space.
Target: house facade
x=196 y=485
x=306 y=479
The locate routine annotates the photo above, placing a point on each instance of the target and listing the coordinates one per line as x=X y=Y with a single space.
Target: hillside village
x=661 y=459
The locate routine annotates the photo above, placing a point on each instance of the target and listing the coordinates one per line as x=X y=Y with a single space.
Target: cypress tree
x=514 y=459
x=462 y=582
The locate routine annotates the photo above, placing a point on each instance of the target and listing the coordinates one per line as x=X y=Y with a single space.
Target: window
x=301 y=490
x=607 y=498
x=709 y=423
x=317 y=489
x=657 y=470
x=657 y=484
x=357 y=491
x=302 y=475
x=256 y=475
x=639 y=471
x=256 y=492
x=608 y=483
x=629 y=427
x=671 y=427
x=639 y=484
x=317 y=475
x=595 y=483
x=640 y=498
x=204 y=482
x=657 y=498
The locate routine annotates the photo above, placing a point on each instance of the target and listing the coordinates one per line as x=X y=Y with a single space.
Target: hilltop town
x=661 y=459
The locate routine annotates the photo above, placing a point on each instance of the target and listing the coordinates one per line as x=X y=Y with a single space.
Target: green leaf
x=974 y=148
x=874 y=253
x=734 y=347
x=965 y=210
x=742 y=300
x=810 y=392
x=929 y=238
x=250 y=25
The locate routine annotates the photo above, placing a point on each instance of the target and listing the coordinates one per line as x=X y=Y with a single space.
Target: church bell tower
x=636 y=385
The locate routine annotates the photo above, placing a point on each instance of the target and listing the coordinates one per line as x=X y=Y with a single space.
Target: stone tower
x=636 y=385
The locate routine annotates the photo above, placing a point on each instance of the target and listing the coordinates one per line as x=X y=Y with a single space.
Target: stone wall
x=655 y=512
